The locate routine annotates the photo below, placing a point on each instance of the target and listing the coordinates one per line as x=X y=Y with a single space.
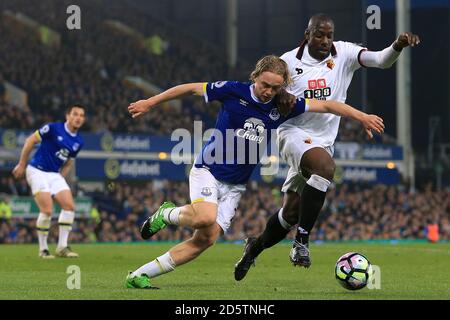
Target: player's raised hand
x=372 y=122
x=139 y=107
x=285 y=102
x=406 y=39
x=18 y=171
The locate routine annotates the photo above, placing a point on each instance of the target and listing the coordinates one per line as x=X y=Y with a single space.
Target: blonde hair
x=272 y=63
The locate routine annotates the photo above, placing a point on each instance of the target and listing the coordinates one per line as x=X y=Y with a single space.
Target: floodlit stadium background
x=130 y=49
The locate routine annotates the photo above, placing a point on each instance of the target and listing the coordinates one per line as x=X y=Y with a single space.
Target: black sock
x=312 y=202
x=273 y=233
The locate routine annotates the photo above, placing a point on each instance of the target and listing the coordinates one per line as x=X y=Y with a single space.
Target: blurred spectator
x=10 y=186
x=90 y=68
x=351 y=212
x=15 y=118
x=5 y=208
x=351 y=131
x=2 y=89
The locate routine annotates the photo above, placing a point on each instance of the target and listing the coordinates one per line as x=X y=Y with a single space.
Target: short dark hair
x=69 y=109
x=318 y=19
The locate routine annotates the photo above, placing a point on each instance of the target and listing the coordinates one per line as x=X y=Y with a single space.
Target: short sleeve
x=351 y=52
x=285 y=57
x=301 y=106
x=44 y=132
x=219 y=90
x=76 y=149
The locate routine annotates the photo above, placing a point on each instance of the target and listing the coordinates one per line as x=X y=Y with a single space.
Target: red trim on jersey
x=359 y=58
x=333 y=51
x=302 y=48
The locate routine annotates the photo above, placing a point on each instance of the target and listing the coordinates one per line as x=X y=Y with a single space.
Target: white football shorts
x=204 y=187
x=293 y=143
x=42 y=181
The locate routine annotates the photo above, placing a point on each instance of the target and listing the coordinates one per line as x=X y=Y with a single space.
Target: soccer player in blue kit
x=60 y=143
x=216 y=185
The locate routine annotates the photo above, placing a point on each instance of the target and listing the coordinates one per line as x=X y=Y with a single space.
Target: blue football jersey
x=243 y=129
x=58 y=144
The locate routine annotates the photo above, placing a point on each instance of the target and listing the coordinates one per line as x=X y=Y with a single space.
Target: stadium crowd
x=90 y=68
x=351 y=212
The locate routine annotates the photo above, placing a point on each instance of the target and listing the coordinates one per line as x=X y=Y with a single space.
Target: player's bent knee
x=329 y=171
x=318 y=161
x=206 y=237
x=205 y=214
x=204 y=243
x=325 y=171
x=204 y=220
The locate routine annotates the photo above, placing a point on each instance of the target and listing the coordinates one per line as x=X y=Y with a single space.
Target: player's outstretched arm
x=19 y=170
x=385 y=58
x=140 y=107
x=369 y=121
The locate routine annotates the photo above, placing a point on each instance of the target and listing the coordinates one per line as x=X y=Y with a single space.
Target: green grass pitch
x=408 y=271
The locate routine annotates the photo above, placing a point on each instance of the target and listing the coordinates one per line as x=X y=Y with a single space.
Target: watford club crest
x=330 y=64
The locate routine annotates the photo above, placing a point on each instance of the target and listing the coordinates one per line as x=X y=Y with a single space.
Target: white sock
x=43 y=225
x=65 y=221
x=157 y=267
x=172 y=215
x=318 y=182
x=283 y=222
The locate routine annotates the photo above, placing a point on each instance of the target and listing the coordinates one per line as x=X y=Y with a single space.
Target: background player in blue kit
x=45 y=173
x=218 y=180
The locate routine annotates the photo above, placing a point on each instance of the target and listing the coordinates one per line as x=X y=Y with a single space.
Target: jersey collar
x=254 y=97
x=304 y=43
x=68 y=131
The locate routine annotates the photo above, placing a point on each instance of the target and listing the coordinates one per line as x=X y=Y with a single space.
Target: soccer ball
x=353 y=271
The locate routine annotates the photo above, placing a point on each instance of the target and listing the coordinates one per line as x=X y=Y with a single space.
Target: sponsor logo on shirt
x=253 y=130
x=317 y=89
x=299 y=71
x=63 y=154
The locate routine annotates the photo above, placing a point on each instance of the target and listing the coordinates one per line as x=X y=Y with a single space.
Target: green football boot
x=138 y=282
x=156 y=222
